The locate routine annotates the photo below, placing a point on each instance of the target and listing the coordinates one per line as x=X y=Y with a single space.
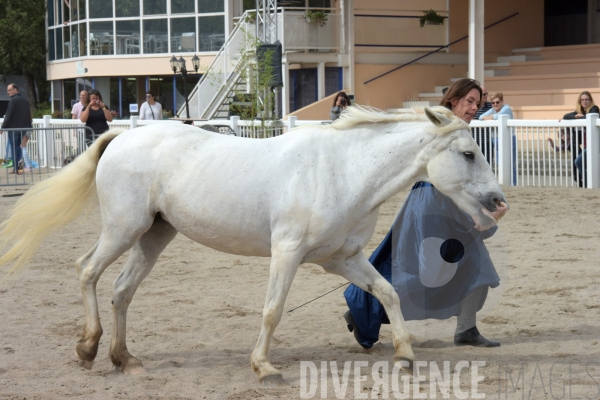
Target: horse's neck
x=390 y=160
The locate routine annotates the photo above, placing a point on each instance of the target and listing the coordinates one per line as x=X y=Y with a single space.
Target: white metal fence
x=520 y=152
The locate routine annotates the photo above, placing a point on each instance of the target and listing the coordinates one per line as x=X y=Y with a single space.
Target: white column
x=285 y=93
x=476 y=39
x=349 y=79
x=592 y=152
x=320 y=80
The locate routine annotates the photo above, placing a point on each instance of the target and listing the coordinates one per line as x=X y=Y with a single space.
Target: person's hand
x=579 y=116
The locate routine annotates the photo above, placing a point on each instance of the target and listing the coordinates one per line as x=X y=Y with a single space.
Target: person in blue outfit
x=433 y=256
x=501 y=108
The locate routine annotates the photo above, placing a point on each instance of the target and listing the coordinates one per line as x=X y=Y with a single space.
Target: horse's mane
x=356 y=115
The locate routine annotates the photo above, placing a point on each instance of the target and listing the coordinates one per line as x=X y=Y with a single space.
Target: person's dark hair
x=458 y=90
x=151 y=93
x=17 y=88
x=341 y=94
x=97 y=93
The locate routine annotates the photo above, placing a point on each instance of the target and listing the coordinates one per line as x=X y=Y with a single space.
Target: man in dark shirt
x=482 y=135
x=18 y=115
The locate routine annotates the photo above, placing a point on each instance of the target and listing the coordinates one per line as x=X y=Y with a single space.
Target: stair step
x=520 y=58
x=528 y=50
x=430 y=95
x=496 y=65
x=496 y=72
x=420 y=104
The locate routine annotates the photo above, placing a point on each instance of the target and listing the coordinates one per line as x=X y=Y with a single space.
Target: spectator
x=84 y=101
x=18 y=115
x=482 y=135
x=96 y=116
x=585 y=105
x=485 y=104
x=499 y=108
x=565 y=141
x=151 y=109
x=340 y=103
x=428 y=213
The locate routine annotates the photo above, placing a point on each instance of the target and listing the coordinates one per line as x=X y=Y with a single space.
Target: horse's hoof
x=273 y=380
x=133 y=366
x=404 y=361
x=86 y=364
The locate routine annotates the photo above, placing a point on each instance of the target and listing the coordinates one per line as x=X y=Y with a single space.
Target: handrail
x=218 y=57
x=436 y=50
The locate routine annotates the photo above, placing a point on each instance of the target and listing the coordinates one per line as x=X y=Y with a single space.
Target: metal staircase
x=225 y=76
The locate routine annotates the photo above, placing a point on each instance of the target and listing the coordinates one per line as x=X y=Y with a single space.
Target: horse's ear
x=436 y=118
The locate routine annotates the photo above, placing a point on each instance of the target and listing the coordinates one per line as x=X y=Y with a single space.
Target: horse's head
x=456 y=167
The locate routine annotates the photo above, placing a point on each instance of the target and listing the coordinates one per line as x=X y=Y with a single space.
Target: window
x=182 y=6
x=210 y=6
x=101 y=38
x=78 y=40
x=50 y=13
x=101 y=9
x=127 y=8
x=211 y=32
x=66 y=44
x=128 y=37
x=59 y=45
x=152 y=7
x=156 y=38
x=51 y=44
x=82 y=6
x=183 y=35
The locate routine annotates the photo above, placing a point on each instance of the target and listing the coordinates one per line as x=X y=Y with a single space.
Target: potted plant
x=317 y=16
x=431 y=18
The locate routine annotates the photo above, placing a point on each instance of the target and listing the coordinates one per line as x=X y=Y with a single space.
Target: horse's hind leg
x=282 y=272
x=358 y=270
x=143 y=256
x=89 y=268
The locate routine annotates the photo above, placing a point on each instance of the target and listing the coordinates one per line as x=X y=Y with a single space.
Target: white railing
x=522 y=155
x=68 y=140
x=297 y=34
x=518 y=150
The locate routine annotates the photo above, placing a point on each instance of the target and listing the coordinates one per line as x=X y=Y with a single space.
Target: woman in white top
x=151 y=109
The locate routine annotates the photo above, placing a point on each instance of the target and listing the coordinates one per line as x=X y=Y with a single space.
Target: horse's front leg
x=358 y=270
x=283 y=269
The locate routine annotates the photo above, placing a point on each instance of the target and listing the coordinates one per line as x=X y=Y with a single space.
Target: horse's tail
x=50 y=205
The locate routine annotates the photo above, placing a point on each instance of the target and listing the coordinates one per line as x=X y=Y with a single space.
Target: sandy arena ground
x=195 y=319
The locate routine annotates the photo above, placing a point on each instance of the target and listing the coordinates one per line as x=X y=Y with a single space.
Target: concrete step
x=571 y=52
x=528 y=50
x=520 y=58
x=496 y=65
x=496 y=72
x=418 y=104
x=555 y=66
x=536 y=82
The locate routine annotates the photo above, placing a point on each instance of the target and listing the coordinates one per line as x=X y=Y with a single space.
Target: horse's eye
x=469 y=155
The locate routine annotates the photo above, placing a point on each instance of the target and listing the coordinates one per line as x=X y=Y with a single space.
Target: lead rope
x=301 y=305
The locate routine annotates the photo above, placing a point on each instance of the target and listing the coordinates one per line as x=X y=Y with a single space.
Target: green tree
x=23 y=42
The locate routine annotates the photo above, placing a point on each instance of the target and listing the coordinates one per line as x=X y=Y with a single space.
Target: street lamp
x=178 y=66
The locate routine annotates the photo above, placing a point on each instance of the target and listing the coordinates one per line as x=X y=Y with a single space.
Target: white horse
x=311 y=195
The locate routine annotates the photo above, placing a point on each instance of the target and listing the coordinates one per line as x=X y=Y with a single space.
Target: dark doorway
x=565 y=22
